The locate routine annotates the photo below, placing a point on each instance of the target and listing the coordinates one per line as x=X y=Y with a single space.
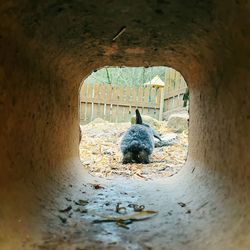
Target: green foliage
x=135 y=76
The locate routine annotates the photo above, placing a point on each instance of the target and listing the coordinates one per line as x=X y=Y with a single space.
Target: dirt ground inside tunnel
x=100 y=154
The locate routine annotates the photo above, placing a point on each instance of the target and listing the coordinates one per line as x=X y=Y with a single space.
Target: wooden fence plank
x=88 y=89
x=115 y=109
x=129 y=101
x=119 y=106
x=109 y=102
x=102 y=100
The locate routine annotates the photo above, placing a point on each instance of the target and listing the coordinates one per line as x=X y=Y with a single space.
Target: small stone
x=182 y=204
x=63 y=220
x=81 y=202
x=178 y=122
x=67 y=209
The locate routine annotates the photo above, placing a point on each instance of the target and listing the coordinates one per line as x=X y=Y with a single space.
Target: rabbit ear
x=138 y=117
x=158 y=137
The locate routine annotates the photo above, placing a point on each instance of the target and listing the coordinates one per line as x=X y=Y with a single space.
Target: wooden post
x=161 y=104
x=92 y=102
x=163 y=90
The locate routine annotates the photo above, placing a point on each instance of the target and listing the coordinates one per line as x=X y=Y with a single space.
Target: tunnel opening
x=109 y=98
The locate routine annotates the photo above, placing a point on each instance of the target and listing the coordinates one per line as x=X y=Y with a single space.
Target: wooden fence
x=118 y=103
x=175 y=87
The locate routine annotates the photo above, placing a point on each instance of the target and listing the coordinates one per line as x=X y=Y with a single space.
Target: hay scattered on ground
x=100 y=154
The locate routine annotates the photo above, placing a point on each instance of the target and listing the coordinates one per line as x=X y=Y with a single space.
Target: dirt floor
x=100 y=154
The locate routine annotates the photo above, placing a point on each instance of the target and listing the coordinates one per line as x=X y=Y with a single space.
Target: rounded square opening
x=109 y=98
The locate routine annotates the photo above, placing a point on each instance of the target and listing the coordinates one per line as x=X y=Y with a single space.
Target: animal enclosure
x=117 y=103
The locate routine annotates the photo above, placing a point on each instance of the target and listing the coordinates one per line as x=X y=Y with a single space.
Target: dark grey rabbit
x=137 y=143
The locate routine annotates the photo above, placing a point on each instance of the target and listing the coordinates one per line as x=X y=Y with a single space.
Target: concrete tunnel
x=48 y=47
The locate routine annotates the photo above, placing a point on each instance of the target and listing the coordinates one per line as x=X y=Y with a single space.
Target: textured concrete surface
x=48 y=47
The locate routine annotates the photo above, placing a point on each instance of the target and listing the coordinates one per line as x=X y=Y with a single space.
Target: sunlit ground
x=100 y=154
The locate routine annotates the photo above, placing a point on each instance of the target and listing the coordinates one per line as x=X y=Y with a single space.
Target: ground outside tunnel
x=101 y=156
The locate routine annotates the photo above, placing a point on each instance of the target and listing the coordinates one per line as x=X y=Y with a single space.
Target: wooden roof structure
x=156 y=82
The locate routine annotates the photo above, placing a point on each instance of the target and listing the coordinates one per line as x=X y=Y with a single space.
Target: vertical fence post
x=161 y=103
x=163 y=93
x=92 y=102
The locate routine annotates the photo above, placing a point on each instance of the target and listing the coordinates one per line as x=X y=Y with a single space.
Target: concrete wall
x=46 y=49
